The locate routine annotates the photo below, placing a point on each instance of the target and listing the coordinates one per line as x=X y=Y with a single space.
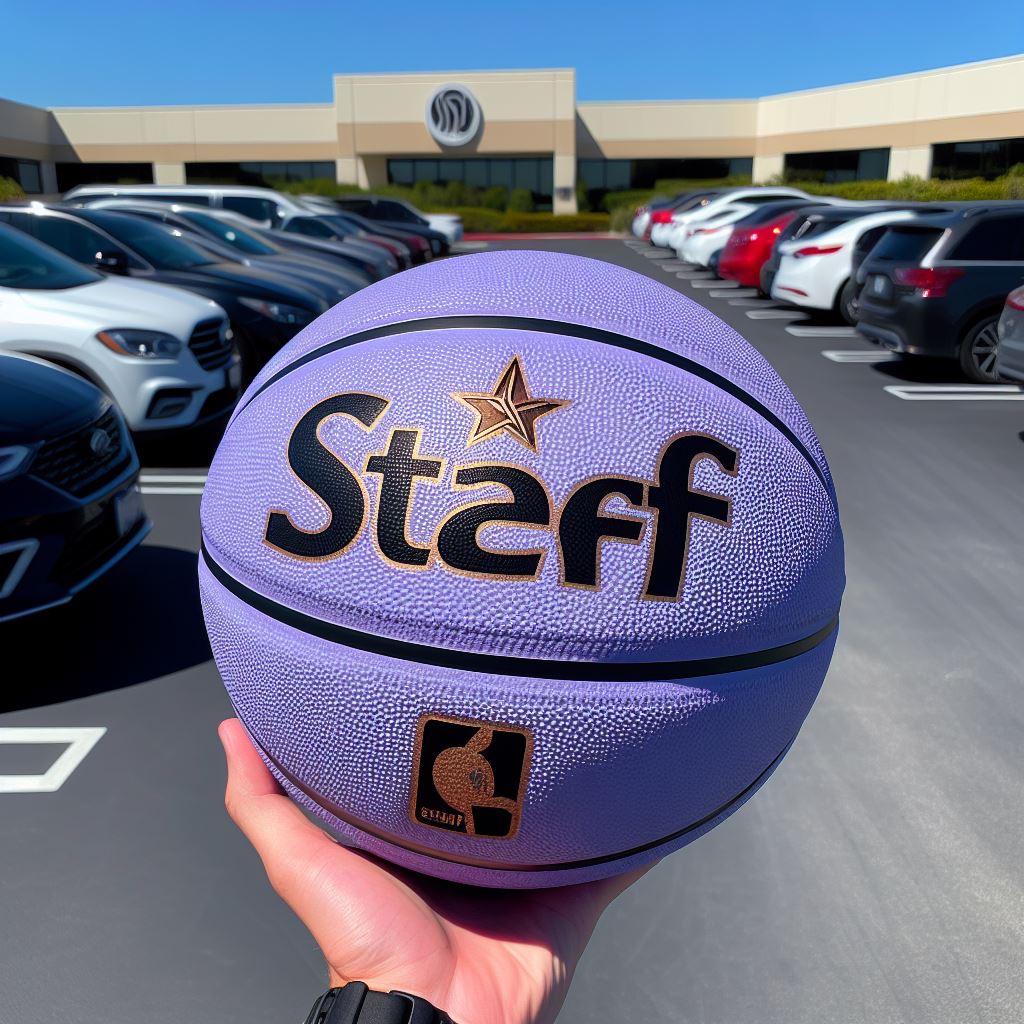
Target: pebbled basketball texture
x=442 y=712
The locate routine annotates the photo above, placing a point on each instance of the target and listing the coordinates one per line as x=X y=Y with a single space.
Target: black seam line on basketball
x=542 y=326
x=499 y=664
x=342 y=815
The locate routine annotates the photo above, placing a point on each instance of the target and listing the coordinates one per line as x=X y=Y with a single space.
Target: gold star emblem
x=510 y=409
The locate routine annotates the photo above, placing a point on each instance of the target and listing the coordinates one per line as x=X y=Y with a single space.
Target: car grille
x=88 y=548
x=211 y=349
x=74 y=464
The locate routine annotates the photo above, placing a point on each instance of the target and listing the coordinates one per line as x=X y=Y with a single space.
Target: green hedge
x=554 y=222
x=635 y=197
x=10 y=189
x=1011 y=186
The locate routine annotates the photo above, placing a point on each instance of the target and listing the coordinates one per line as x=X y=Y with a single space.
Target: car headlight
x=144 y=344
x=278 y=311
x=13 y=460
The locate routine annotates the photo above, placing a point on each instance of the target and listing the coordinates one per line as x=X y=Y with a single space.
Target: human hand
x=484 y=956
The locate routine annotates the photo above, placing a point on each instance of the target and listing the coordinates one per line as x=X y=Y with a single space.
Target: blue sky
x=120 y=53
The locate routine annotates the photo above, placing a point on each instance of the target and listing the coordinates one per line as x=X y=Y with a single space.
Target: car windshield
x=338 y=222
x=29 y=265
x=153 y=243
x=236 y=237
x=905 y=245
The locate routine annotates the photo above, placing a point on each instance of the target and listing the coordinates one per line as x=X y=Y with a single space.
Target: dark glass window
x=905 y=245
x=252 y=206
x=69 y=175
x=25 y=172
x=600 y=177
x=986 y=159
x=70 y=237
x=153 y=243
x=310 y=226
x=25 y=264
x=533 y=173
x=233 y=235
x=193 y=198
x=996 y=238
x=838 y=165
x=267 y=173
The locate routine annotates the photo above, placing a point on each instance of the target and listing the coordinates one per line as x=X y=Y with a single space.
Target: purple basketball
x=520 y=569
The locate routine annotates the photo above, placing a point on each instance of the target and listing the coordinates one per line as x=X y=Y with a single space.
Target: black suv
x=935 y=285
x=69 y=502
x=394 y=213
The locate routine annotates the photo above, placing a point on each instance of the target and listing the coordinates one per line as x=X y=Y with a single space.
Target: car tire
x=847 y=304
x=977 y=355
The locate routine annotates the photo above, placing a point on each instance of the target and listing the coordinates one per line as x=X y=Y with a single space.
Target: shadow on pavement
x=181 y=449
x=921 y=370
x=139 y=622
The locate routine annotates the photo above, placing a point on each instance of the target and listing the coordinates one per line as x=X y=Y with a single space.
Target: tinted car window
x=152 y=242
x=195 y=198
x=248 y=206
x=244 y=241
x=360 y=206
x=27 y=265
x=905 y=245
x=70 y=237
x=996 y=238
x=310 y=226
x=396 y=211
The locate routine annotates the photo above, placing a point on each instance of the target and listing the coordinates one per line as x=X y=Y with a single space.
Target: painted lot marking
x=775 y=314
x=172 y=483
x=957 y=392
x=696 y=275
x=79 y=742
x=659 y=254
x=713 y=283
x=671 y=266
x=761 y=303
x=858 y=356
x=733 y=292
x=802 y=331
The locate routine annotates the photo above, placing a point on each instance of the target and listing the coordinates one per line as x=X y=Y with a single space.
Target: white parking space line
x=172 y=478
x=752 y=301
x=671 y=266
x=713 y=282
x=170 y=490
x=696 y=275
x=802 y=331
x=731 y=293
x=859 y=356
x=79 y=742
x=957 y=392
x=775 y=314
x=659 y=254
x=468 y=247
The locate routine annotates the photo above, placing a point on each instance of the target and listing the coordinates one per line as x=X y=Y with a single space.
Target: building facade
x=525 y=130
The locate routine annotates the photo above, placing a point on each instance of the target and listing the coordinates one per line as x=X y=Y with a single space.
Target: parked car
x=804 y=216
x=332 y=283
x=165 y=356
x=1010 y=350
x=267 y=206
x=394 y=211
x=265 y=309
x=419 y=245
x=70 y=506
x=335 y=228
x=703 y=238
x=935 y=285
x=659 y=210
x=752 y=239
x=663 y=219
x=816 y=266
x=754 y=196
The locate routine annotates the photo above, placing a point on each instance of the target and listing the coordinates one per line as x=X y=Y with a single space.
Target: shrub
x=520 y=200
x=479 y=220
x=494 y=198
x=10 y=189
x=621 y=218
x=513 y=221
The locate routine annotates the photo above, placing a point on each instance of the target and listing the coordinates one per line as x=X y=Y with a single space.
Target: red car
x=751 y=241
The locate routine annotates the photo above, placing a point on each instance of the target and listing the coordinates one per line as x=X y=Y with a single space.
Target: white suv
x=266 y=206
x=164 y=355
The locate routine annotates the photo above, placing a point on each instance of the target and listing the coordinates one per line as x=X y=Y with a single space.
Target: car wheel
x=978 y=351
x=848 y=305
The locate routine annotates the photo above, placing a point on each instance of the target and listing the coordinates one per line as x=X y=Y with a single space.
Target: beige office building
x=525 y=129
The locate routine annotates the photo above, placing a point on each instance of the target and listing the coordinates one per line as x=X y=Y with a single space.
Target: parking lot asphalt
x=876 y=878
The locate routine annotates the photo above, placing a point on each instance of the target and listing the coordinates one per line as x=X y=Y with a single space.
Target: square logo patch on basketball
x=470 y=776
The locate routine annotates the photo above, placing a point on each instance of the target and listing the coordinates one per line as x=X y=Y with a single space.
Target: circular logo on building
x=453 y=115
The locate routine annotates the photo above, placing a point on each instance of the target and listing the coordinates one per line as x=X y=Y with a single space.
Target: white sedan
x=706 y=236
x=815 y=269
x=755 y=195
x=164 y=355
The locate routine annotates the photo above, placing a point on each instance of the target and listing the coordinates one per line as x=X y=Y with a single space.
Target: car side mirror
x=113 y=261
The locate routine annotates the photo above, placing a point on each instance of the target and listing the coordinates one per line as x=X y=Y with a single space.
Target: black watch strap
x=354 y=1003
